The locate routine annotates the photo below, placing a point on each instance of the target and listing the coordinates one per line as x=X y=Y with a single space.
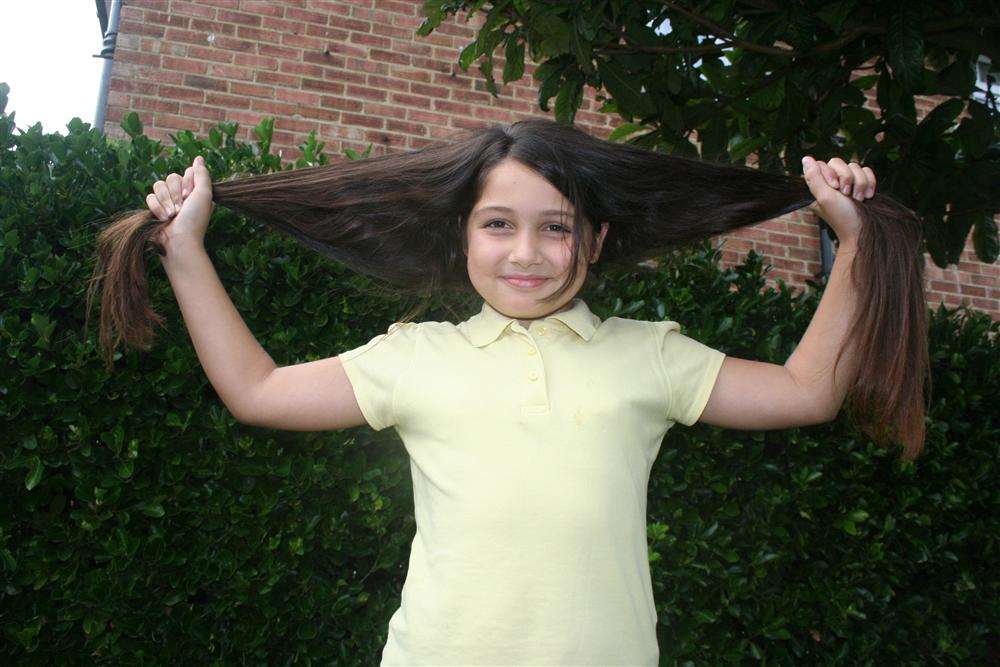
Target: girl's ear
x=599 y=243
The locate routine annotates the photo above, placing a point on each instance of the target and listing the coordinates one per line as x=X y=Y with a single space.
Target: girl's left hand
x=832 y=184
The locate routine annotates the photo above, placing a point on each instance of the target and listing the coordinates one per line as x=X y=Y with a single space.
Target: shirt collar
x=487 y=325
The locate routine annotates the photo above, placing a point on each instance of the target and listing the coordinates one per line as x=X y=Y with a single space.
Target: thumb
x=815 y=178
x=201 y=176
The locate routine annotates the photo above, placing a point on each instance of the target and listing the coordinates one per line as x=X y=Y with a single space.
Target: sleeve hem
x=709 y=377
x=362 y=400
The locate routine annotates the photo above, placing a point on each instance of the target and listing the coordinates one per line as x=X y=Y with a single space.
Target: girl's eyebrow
x=507 y=209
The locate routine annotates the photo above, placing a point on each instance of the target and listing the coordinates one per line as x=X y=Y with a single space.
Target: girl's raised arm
x=313 y=396
x=755 y=395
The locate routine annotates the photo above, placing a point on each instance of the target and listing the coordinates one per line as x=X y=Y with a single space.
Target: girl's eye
x=561 y=229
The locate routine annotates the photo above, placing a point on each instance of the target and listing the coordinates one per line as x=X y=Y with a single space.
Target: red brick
x=402 y=126
x=231 y=72
x=342 y=49
x=297 y=97
x=302 y=126
x=454 y=108
x=163 y=76
x=185 y=65
x=280 y=52
x=207 y=53
x=351 y=24
x=344 y=104
x=192 y=8
x=370 y=40
x=186 y=36
x=471 y=96
x=367 y=93
x=274 y=108
x=203 y=112
x=363 y=120
x=972 y=290
x=131 y=86
x=256 y=62
x=500 y=115
x=389 y=56
x=344 y=76
x=242 y=18
x=437 y=92
x=283 y=25
x=136 y=58
x=366 y=65
x=183 y=94
x=303 y=41
x=237 y=88
x=155 y=104
x=195 y=81
x=263 y=7
x=392 y=31
x=409 y=8
x=331 y=33
x=386 y=82
x=301 y=69
x=235 y=43
x=174 y=122
x=413 y=48
x=786 y=239
x=257 y=35
x=212 y=29
x=251 y=118
x=411 y=100
x=321 y=18
x=276 y=79
x=323 y=86
x=141 y=28
x=228 y=101
x=410 y=73
x=379 y=137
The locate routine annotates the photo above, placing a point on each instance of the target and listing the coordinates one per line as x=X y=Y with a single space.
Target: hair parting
x=401 y=218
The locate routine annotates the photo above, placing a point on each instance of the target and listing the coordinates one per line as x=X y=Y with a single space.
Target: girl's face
x=522 y=225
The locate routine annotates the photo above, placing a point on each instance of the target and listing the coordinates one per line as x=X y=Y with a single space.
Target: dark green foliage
x=775 y=79
x=143 y=525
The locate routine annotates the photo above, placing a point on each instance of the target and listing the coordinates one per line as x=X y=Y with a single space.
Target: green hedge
x=144 y=525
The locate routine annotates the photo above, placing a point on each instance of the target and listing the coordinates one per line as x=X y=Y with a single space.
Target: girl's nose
x=525 y=250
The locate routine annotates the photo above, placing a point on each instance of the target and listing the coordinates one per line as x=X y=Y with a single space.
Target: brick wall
x=355 y=72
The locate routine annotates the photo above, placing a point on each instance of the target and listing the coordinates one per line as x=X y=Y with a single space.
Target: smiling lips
x=525 y=281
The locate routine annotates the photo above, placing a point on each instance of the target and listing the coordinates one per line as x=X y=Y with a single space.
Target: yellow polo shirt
x=530 y=451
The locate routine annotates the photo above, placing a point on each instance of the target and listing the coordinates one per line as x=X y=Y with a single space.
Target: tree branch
x=732 y=41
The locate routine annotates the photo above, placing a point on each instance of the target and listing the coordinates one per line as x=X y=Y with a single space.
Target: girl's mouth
x=524 y=283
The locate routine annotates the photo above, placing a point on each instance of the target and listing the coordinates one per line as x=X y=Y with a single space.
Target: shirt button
x=532 y=352
x=541 y=330
x=532 y=375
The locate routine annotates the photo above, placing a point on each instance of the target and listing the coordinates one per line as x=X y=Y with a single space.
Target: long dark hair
x=401 y=218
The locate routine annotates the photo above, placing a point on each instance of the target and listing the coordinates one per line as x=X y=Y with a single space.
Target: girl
x=532 y=426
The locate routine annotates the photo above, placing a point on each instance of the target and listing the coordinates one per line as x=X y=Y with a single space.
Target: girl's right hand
x=184 y=201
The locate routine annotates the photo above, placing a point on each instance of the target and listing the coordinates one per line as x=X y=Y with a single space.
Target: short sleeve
x=689 y=369
x=375 y=369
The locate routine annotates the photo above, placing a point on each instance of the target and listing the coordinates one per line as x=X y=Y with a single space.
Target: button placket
x=534 y=370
